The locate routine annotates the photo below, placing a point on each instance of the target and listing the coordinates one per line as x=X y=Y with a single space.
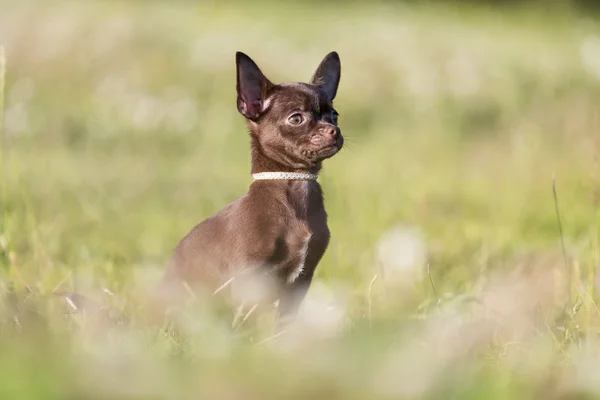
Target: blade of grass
x=2 y=83
x=2 y=142
x=3 y=192
x=437 y=304
x=562 y=240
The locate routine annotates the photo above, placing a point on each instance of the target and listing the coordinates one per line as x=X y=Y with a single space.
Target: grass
x=121 y=132
x=2 y=85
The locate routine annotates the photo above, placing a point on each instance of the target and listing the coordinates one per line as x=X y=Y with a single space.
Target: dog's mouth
x=331 y=150
x=318 y=155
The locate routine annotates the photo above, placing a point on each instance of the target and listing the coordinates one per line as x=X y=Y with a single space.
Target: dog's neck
x=304 y=196
x=262 y=163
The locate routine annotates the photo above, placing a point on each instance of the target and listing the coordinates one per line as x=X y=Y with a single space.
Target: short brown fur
x=279 y=228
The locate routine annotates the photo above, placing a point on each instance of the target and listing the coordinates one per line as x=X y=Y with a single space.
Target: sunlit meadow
x=464 y=209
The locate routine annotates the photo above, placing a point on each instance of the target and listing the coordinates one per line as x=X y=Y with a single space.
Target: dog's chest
x=308 y=234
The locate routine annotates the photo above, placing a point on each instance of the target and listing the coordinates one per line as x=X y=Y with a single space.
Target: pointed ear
x=327 y=75
x=252 y=87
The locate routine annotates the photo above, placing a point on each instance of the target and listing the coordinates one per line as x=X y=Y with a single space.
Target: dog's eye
x=296 y=119
x=334 y=117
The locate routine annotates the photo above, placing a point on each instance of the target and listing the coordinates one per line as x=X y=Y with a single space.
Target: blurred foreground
x=121 y=132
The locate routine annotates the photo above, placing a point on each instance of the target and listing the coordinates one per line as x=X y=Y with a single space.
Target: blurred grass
x=121 y=133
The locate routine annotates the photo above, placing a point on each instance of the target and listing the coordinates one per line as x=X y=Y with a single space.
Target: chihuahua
x=278 y=230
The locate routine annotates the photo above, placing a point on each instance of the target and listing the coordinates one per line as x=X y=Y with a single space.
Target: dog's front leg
x=291 y=297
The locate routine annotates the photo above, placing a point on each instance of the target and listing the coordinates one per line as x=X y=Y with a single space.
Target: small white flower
x=402 y=253
x=590 y=55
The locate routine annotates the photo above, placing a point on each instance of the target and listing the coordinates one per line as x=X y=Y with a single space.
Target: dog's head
x=293 y=124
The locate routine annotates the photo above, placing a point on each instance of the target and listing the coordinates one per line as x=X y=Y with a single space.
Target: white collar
x=291 y=176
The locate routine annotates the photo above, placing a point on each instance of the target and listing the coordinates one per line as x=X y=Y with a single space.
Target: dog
x=278 y=229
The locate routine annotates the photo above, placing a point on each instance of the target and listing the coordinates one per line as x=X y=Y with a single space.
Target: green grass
x=121 y=132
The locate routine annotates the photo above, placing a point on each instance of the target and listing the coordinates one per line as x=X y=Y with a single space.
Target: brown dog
x=278 y=230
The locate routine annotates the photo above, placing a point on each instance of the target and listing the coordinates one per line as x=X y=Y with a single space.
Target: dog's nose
x=332 y=130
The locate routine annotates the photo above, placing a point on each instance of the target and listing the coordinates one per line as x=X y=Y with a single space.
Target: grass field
x=445 y=276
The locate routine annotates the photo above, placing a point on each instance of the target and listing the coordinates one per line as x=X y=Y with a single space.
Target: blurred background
x=449 y=272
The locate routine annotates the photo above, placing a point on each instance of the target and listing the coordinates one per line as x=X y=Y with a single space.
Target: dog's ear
x=252 y=87
x=327 y=75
